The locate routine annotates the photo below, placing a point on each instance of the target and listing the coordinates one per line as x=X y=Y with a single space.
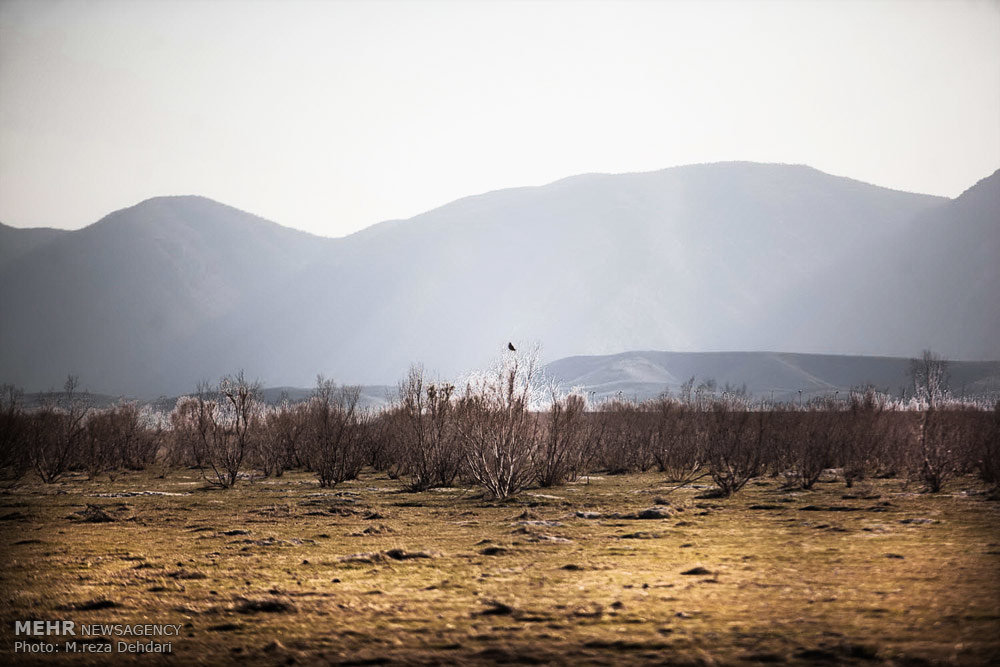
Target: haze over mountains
x=719 y=257
x=767 y=375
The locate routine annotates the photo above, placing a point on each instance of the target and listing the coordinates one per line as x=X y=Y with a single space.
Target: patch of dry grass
x=280 y=569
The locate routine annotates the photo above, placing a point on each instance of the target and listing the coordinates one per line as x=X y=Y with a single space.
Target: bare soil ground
x=608 y=570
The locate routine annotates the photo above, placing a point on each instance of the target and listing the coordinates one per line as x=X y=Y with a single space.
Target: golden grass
x=783 y=583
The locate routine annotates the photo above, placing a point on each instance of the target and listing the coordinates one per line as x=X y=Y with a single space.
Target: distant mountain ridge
x=118 y=302
x=772 y=375
x=16 y=242
x=158 y=296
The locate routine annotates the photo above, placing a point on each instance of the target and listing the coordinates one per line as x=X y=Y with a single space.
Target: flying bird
x=510 y=346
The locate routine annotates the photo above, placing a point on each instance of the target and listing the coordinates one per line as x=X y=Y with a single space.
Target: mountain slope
x=764 y=374
x=15 y=243
x=685 y=258
x=935 y=284
x=117 y=302
x=154 y=298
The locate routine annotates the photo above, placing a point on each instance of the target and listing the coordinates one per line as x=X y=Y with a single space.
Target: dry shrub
x=426 y=430
x=498 y=430
x=336 y=434
x=735 y=444
x=560 y=454
x=678 y=444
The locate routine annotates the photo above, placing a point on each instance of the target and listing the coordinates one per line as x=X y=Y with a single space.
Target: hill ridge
x=765 y=374
x=731 y=255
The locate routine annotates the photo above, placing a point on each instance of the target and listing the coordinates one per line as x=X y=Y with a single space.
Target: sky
x=332 y=116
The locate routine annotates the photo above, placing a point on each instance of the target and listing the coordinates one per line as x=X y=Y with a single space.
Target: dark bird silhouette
x=510 y=346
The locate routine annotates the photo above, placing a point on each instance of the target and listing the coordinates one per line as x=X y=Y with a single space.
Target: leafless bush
x=592 y=439
x=14 y=463
x=56 y=433
x=137 y=438
x=937 y=456
x=499 y=436
x=560 y=454
x=735 y=444
x=215 y=428
x=784 y=432
x=97 y=453
x=236 y=409
x=988 y=450
x=189 y=426
x=818 y=440
x=374 y=436
x=628 y=431
x=384 y=451
x=281 y=438
x=930 y=378
x=678 y=447
x=336 y=434
x=866 y=427
x=427 y=432
x=119 y=438
x=499 y=432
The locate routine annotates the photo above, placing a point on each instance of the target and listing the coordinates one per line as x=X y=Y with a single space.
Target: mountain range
x=154 y=298
x=781 y=377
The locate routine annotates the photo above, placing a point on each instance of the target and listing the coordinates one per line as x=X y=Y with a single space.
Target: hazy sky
x=331 y=116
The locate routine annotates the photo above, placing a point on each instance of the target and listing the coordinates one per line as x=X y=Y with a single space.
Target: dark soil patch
x=92 y=605
x=267 y=606
x=400 y=554
x=829 y=508
x=188 y=575
x=495 y=608
x=494 y=551
x=502 y=656
x=92 y=514
x=224 y=627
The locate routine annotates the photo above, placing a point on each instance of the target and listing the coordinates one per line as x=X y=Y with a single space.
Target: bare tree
x=282 y=434
x=236 y=410
x=560 y=454
x=336 y=432
x=57 y=433
x=817 y=440
x=13 y=433
x=118 y=438
x=930 y=378
x=383 y=450
x=190 y=423
x=678 y=445
x=938 y=439
x=735 y=444
x=627 y=437
x=215 y=427
x=97 y=454
x=499 y=432
x=988 y=449
x=427 y=433
x=865 y=430
x=686 y=392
